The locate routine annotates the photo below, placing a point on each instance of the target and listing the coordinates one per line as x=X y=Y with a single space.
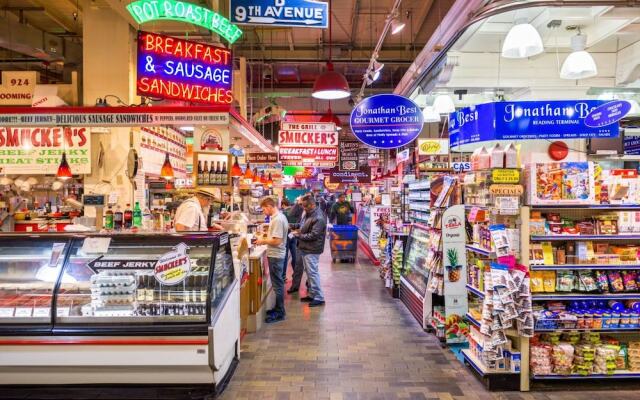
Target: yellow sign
x=505 y=176
x=433 y=147
x=506 y=190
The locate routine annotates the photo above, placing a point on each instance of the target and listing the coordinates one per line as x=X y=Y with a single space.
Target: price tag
x=96 y=245
x=6 y=312
x=113 y=198
x=505 y=176
x=41 y=312
x=62 y=311
x=23 y=312
x=507 y=203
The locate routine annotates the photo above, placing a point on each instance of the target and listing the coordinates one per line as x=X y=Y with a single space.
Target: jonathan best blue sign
x=300 y=13
x=507 y=120
x=386 y=121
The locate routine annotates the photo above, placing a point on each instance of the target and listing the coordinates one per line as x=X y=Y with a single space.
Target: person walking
x=342 y=211
x=311 y=237
x=276 y=251
x=293 y=214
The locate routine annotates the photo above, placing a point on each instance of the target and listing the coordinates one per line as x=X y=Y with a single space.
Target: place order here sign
x=308 y=143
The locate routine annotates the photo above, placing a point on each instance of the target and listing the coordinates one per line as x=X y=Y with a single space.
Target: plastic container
x=343 y=242
x=606 y=319
x=614 y=322
x=597 y=320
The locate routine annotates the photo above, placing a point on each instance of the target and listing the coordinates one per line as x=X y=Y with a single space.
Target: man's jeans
x=275 y=271
x=292 y=243
x=310 y=262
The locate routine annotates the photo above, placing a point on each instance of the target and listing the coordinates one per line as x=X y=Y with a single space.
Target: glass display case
x=65 y=283
x=416 y=265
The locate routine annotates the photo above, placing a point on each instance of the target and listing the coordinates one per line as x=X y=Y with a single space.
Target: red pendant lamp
x=263 y=178
x=236 y=170
x=270 y=181
x=248 y=174
x=64 y=171
x=329 y=116
x=256 y=177
x=330 y=85
x=166 y=171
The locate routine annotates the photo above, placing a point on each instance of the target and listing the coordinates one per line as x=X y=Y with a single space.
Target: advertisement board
x=262 y=158
x=309 y=134
x=433 y=147
x=348 y=155
x=179 y=69
x=37 y=151
x=363 y=175
x=386 y=121
x=455 y=278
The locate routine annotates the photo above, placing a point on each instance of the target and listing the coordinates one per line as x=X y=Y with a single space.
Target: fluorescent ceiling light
x=430 y=114
x=522 y=41
x=187 y=128
x=579 y=64
x=443 y=104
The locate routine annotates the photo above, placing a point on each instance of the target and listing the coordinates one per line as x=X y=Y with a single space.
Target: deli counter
x=130 y=309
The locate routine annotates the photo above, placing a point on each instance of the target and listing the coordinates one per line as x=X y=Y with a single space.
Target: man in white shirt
x=189 y=215
x=276 y=242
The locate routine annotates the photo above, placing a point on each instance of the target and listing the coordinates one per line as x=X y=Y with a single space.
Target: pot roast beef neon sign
x=158 y=10
x=180 y=69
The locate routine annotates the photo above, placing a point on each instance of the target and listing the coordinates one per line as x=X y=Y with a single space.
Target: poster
x=348 y=155
x=455 y=279
x=37 y=151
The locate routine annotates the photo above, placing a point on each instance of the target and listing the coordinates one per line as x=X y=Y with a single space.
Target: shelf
x=621 y=374
x=583 y=266
x=479 y=365
x=475 y=291
x=478 y=250
x=586 y=206
x=549 y=238
x=585 y=296
x=590 y=330
x=472 y=320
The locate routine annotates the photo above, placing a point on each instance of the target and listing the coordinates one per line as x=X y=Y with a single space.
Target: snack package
x=549 y=281
x=563 y=358
x=629 y=281
x=587 y=282
x=615 y=282
x=602 y=281
x=540 y=359
x=500 y=240
x=565 y=281
x=537 y=281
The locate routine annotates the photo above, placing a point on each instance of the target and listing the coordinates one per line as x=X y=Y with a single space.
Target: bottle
x=224 y=175
x=137 y=215
x=128 y=217
x=213 y=176
x=108 y=219
x=147 y=220
x=205 y=175
x=167 y=220
x=218 y=173
x=210 y=217
x=200 y=177
x=118 y=219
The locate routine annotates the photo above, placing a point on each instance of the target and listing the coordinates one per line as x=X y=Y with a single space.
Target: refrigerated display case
x=128 y=309
x=415 y=275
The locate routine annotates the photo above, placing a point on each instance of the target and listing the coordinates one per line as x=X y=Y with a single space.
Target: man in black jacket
x=311 y=238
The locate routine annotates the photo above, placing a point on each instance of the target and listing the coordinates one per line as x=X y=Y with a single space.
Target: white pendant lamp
x=522 y=41
x=443 y=104
x=579 y=64
x=430 y=114
x=635 y=108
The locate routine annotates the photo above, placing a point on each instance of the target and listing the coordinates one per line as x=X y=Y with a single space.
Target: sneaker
x=274 y=318
x=306 y=299
x=271 y=312
x=292 y=290
x=316 y=303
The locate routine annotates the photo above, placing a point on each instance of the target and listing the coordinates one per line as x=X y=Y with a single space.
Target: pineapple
x=453 y=268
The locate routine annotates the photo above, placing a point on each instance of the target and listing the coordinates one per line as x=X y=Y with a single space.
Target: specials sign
x=179 y=69
x=37 y=151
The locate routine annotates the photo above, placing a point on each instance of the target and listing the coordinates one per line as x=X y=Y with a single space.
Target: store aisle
x=362 y=345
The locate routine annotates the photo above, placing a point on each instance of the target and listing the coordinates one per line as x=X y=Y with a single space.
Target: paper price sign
x=505 y=175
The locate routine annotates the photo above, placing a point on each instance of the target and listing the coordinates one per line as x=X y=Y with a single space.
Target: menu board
x=348 y=155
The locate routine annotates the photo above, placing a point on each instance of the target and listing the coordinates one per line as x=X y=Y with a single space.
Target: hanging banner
x=527 y=120
x=37 y=151
x=308 y=134
x=298 y=13
x=363 y=175
x=179 y=69
x=348 y=154
x=386 y=121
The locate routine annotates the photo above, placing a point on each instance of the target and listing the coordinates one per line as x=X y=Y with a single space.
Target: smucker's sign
x=37 y=151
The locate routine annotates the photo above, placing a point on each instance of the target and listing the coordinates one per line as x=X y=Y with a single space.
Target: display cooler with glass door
x=129 y=309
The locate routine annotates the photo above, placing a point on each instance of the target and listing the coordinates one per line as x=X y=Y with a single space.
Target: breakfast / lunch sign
x=308 y=143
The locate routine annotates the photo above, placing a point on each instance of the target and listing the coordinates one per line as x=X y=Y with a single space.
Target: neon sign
x=158 y=10
x=180 y=69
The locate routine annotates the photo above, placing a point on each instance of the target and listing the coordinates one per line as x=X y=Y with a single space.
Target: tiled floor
x=362 y=345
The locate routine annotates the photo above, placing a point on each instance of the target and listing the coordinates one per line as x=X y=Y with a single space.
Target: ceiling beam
x=354 y=22
x=120 y=8
x=290 y=39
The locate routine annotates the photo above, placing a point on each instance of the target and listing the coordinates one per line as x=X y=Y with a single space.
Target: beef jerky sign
x=348 y=155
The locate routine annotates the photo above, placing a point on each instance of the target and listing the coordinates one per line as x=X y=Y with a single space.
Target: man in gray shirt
x=276 y=242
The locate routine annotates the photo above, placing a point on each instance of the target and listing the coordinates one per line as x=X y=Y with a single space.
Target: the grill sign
x=173 y=267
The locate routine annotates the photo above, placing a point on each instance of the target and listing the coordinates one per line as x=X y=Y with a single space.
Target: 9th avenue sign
x=299 y=13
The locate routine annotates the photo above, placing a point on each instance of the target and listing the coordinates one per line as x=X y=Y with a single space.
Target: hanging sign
x=318 y=156
x=298 y=13
x=363 y=175
x=211 y=139
x=262 y=158
x=173 y=267
x=17 y=88
x=309 y=134
x=403 y=156
x=348 y=153
x=386 y=121
x=631 y=144
x=607 y=114
x=433 y=147
x=179 y=69
x=37 y=151
x=162 y=10
x=506 y=190
x=461 y=166
x=527 y=120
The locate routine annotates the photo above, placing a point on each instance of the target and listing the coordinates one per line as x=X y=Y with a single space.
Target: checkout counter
x=123 y=310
